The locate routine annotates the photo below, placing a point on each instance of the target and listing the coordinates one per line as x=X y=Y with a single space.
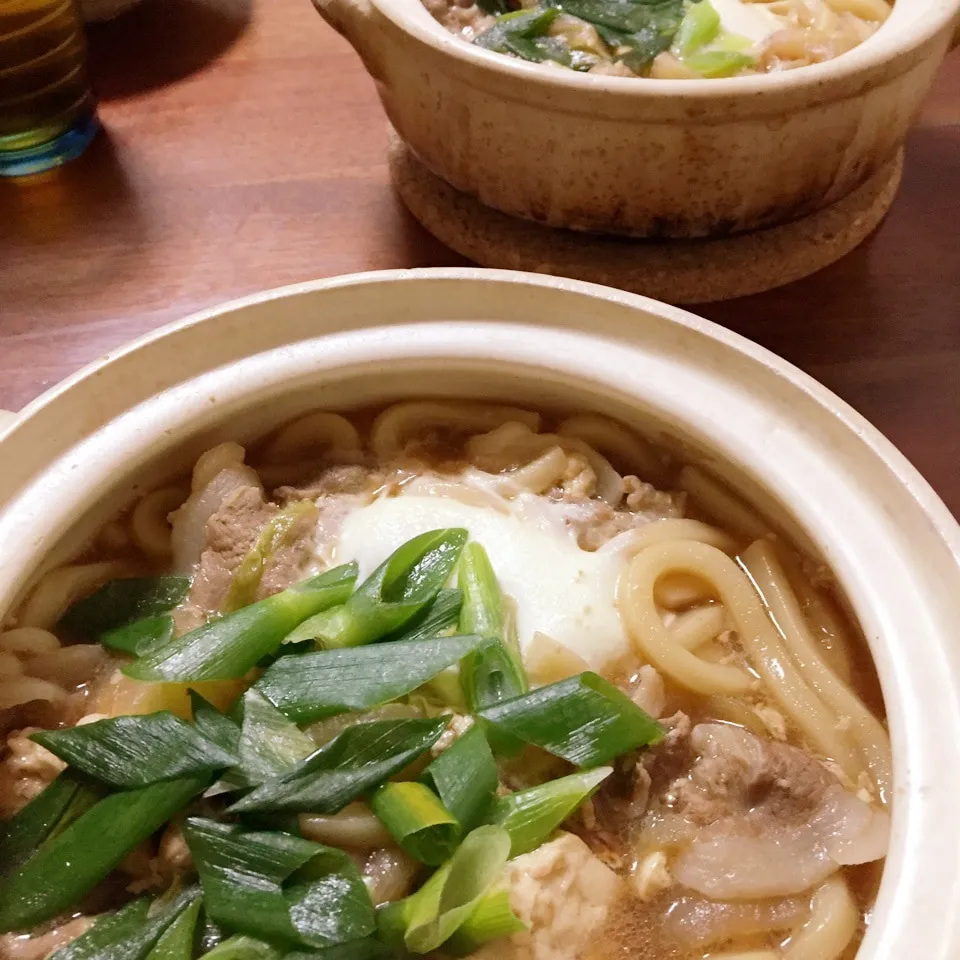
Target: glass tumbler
x=47 y=108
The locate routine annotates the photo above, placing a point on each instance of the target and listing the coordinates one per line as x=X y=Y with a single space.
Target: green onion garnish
x=214 y=725
x=428 y=918
x=72 y=863
x=718 y=63
x=120 y=602
x=465 y=777
x=583 y=719
x=494 y=672
x=279 y=886
x=176 y=942
x=280 y=531
x=417 y=820
x=355 y=761
x=141 y=636
x=269 y=743
x=438 y=619
x=50 y=812
x=228 y=647
x=135 y=751
x=492 y=919
x=240 y=947
x=313 y=686
x=402 y=587
x=700 y=25
x=531 y=815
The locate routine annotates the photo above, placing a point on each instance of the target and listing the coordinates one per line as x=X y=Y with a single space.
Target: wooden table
x=245 y=150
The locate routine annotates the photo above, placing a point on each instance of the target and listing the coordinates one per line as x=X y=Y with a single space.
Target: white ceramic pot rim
x=875 y=520
x=886 y=44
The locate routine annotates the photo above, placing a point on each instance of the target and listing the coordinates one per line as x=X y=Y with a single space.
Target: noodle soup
x=446 y=679
x=665 y=39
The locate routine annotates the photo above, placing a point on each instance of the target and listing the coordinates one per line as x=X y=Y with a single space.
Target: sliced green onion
x=278 y=532
x=241 y=947
x=108 y=930
x=120 y=602
x=699 y=26
x=718 y=63
x=141 y=636
x=531 y=815
x=417 y=820
x=402 y=587
x=69 y=865
x=215 y=726
x=493 y=672
x=177 y=940
x=228 y=647
x=439 y=619
x=354 y=762
x=492 y=919
x=269 y=743
x=132 y=932
x=313 y=686
x=135 y=751
x=50 y=812
x=584 y=719
x=428 y=918
x=366 y=949
x=465 y=777
x=279 y=886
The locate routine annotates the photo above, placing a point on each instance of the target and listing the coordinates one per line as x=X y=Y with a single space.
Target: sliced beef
x=747 y=818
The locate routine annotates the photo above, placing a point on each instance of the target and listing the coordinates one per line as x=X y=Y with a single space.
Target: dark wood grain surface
x=245 y=149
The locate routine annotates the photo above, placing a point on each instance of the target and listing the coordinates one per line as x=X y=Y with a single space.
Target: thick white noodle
x=865 y=730
x=761 y=642
x=834 y=919
x=150 y=525
x=723 y=507
x=313 y=436
x=59 y=588
x=615 y=441
x=400 y=423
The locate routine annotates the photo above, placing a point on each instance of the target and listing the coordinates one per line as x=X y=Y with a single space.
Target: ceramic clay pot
x=650 y=158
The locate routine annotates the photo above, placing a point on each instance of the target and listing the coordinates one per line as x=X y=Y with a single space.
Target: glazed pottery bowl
x=799 y=454
x=651 y=158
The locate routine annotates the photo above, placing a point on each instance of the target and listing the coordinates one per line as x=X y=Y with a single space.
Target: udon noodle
x=746 y=834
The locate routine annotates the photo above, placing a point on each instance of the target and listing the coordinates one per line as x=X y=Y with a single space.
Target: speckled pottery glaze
x=141 y=415
x=639 y=157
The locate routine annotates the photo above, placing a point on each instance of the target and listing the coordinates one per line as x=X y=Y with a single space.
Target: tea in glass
x=47 y=108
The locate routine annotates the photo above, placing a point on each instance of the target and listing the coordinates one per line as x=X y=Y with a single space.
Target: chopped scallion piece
x=141 y=636
x=50 y=812
x=270 y=744
x=465 y=777
x=135 y=751
x=228 y=647
x=240 y=947
x=120 y=602
x=417 y=820
x=584 y=719
x=699 y=26
x=313 y=686
x=176 y=942
x=402 y=587
x=280 y=531
x=493 y=672
x=69 y=865
x=428 y=918
x=439 y=619
x=718 y=63
x=279 y=886
x=531 y=815
x=214 y=725
x=354 y=762
x=492 y=919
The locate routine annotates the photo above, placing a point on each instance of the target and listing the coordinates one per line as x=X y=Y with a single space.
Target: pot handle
x=355 y=20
